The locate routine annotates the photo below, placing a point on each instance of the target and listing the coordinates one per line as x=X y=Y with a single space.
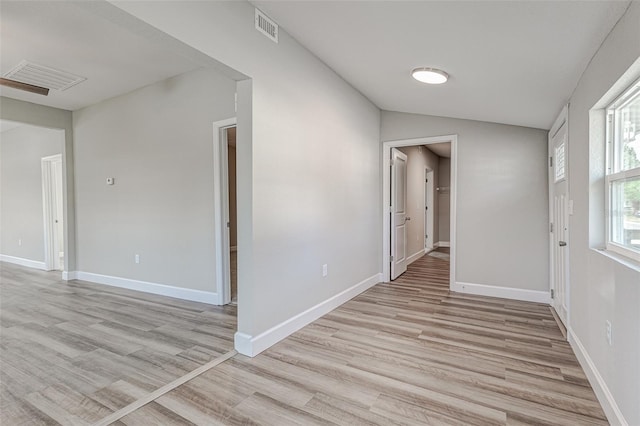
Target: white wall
x=21 y=215
x=602 y=288
x=157 y=143
x=502 y=213
x=444 y=200
x=308 y=168
x=54 y=118
x=418 y=157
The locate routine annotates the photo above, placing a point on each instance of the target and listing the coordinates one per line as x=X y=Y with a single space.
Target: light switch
x=110 y=181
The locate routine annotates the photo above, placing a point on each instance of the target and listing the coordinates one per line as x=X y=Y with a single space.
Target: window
x=560 y=160
x=623 y=173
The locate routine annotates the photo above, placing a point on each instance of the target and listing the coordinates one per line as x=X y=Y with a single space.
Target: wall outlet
x=137 y=258
x=325 y=270
x=608 y=325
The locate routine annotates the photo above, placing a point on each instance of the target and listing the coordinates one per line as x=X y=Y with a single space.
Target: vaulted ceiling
x=513 y=62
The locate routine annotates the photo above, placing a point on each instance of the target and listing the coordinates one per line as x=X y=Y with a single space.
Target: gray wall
x=308 y=163
x=21 y=213
x=43 y=116
x=157 y=143
x=444 y=200
x=602 y=288
x=418 y=157
x=502 y=202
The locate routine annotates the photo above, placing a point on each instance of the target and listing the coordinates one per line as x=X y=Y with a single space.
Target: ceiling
x=512 y=62
x=442 y=149
x=68 y=36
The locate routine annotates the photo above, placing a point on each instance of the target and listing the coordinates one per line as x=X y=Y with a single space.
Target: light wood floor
x=72 y=353
x=408 y=353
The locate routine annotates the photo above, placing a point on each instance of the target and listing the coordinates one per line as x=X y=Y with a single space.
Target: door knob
x=562 y=243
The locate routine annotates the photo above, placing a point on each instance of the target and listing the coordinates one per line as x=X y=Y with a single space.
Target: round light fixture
x=430 y=75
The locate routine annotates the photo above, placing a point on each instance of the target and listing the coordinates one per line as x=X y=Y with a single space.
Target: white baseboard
x=415 y=257
x=23 y=262
x=253 y=345
x=69 y=275
x=611 y=409
x=442 y=244
x=503 y=292
x=147 y=287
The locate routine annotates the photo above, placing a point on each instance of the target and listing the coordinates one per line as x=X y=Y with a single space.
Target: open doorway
x=225 y=196
x=406 y=240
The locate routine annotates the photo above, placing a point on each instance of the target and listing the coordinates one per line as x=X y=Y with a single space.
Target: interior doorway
x=391 y=203
x=224 y=153
x=53 y=212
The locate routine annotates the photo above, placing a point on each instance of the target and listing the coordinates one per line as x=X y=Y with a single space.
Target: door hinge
x=391 y=162
x=550 y=161
x=390 y=258
x=552 y=293
x=551 y=227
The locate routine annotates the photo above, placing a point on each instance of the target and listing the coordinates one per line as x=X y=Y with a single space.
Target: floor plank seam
x=141 y=402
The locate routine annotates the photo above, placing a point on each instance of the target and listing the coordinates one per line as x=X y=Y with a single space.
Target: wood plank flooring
x=405 y=353
x=72 y=353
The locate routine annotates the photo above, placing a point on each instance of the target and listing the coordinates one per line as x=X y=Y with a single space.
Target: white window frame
x=613 y=174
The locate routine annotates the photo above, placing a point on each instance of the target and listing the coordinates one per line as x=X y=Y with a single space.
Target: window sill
x=623 y=260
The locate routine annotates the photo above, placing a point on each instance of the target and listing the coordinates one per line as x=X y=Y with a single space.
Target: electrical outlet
x=325 y=270
x=137 y=258
x=608 y=325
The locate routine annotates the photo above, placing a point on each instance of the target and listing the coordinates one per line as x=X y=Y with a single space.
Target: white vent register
x=43 y=76
x=266 y=26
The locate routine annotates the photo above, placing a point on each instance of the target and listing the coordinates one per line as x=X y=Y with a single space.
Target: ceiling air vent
x=266 y=26
x=42 y=76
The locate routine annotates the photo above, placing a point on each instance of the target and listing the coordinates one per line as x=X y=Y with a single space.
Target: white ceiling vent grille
x=42 y=76
x=266 y=26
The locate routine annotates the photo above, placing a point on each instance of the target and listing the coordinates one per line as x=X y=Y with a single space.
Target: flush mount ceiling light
x=430 y=75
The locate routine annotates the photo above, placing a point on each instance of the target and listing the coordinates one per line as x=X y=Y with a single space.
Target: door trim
x=221 y=210
x=386 y=197
x=48 y=211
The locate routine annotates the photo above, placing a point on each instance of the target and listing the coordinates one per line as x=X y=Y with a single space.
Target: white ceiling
x=440 y=149
x=70 y=37
x=513 y=62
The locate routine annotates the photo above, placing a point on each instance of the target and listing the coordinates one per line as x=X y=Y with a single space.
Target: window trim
x=612 y=172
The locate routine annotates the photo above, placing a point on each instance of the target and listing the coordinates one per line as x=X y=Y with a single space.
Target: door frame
x=429 y=204
x=386 y=197
x=561 y=120
x=49 y=198
x=221 y=210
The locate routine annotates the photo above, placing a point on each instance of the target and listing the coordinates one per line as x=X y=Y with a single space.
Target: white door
x=428 y=209
x=398 y=213
x=559 y=194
